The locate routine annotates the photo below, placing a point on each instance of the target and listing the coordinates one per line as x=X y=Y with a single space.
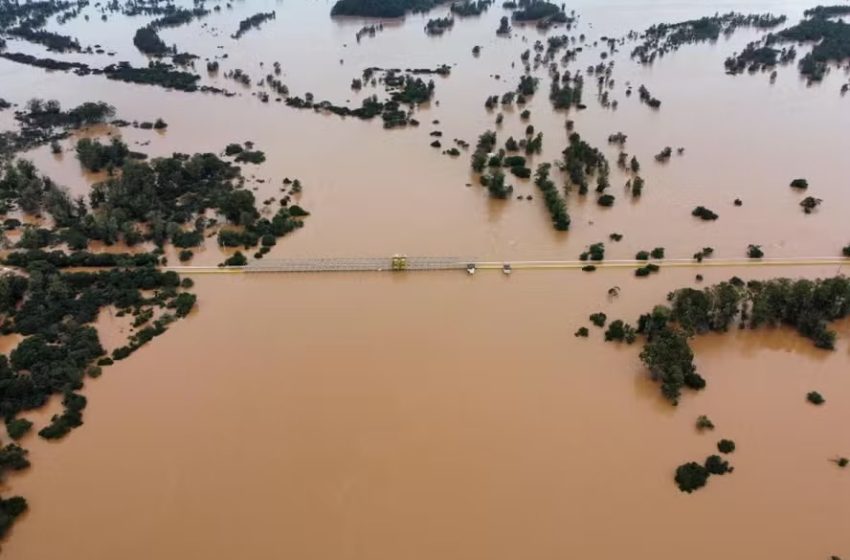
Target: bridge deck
x=381 y=264
x=366 y=264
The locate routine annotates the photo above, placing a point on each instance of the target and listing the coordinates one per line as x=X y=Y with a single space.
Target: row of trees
x=53 y=41
x=555 y=203
x=251 y=22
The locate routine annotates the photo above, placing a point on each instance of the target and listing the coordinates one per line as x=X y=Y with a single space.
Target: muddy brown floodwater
x=438 y=415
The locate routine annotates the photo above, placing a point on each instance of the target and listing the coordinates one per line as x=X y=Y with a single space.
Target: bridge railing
x=360 y=264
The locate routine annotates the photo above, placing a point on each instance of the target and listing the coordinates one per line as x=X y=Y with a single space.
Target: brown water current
x=441 y=415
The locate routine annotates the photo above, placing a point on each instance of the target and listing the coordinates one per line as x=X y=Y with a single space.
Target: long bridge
x=417 y=264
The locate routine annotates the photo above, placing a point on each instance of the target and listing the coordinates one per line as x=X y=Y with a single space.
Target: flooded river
x=438 y=415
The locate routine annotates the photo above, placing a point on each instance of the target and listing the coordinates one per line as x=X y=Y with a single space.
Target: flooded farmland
x=424 y=415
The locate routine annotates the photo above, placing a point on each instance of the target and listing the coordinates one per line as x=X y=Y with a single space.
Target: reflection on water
x=440 y=415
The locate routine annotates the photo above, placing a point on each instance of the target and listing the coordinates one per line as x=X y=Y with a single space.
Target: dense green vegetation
x=565 y=91
x=646 y=270
x=49 y=114
x=754 y=251
x=756 y=57
x=691 y=476
x=810 y=203
x=26 y=21
x=594 y=252
x=527 y=85
x=606 y=200
x=704 y=423
x=439 y=26
x=555 y=203
x=166 y=199
x=726 y=446
x=251 y=156
x=158 y=201
x=53 y=41
x=704 y=213
x=532 y=10
x=495 y=183
x=42 y=121
x=828 y=11
x=828 y=36
x=703 y=253
x=77 y=259
x=715 y=464
x=581 y=161
x=254 y=21
x=54 y=312
x=815 y=398
x=175 y=17
x=664 y=38
x=620 y=331
x=237 y=259
x=148 y=41
x=12 y=458
x=808 y=306
x=33 y=14
x=467 y=8
x=95 y=156
x=404 y=88
x=381 y=8
x=646 y=97
x=10 y=509
x=18 y=427
x=830 y=39
x=480 y=157
x=598 y=319
x=79 y=68
x=156 y=73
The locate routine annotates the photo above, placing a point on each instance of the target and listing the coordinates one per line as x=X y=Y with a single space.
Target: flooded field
x=441 y=415
x=324 y=416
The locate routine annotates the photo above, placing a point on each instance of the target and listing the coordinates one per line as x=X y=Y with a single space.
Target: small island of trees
x=808 y=306
x=381 y=8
